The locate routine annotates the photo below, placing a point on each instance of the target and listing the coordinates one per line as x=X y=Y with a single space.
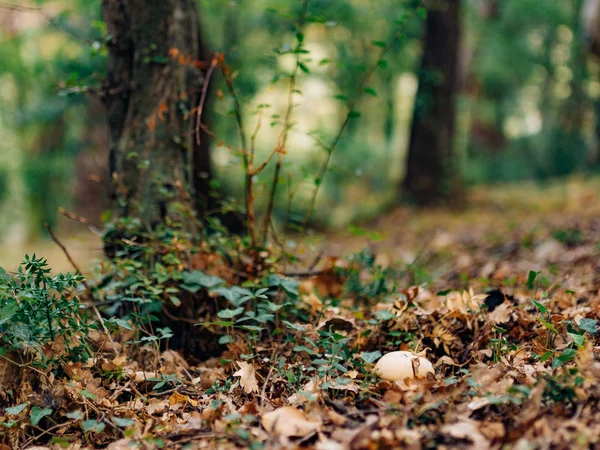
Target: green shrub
x=39 y=311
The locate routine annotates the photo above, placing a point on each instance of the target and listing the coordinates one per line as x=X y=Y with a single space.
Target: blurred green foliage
x=528 y=107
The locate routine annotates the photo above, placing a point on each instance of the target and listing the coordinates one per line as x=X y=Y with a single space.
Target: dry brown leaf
x=289 y=422
x=157 y=406
x=469 y=431
x=247 y=376
x=501 y=314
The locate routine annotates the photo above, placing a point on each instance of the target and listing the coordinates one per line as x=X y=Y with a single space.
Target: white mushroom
x=397 y=366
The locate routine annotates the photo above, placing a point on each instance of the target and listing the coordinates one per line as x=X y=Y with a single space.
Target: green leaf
x=226 y=340
x=196 y=279
x=450 y=381
x=303 y=348
x=93 y=425
x=541 y=308
x=8 y=311
x=531 y=278
x=371 y=91
x=422 y=12
x=294 y=326
x=120 y=323
x=380 y=44
x=341 y=97
x=383 y=64
x=76 y=415
x=384 y=314
x=370 y=357
x=303 y=67
x=547 y=325
x=16 y=409
x=37 y=414
x=236 y=295
x=354 y=115
x=230 y=313
x=122 y=422
x=578 y=339
x=589 y=325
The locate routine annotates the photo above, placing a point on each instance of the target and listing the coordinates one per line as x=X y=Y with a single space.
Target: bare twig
x=86 y=285
x=207 y=78
x=40 y=11
x=69 y=215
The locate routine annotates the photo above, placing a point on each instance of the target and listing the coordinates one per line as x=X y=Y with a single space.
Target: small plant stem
x=365 y=81
x=249 y=197
x=282 y=140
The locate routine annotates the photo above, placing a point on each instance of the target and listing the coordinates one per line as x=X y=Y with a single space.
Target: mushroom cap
x=396 y=366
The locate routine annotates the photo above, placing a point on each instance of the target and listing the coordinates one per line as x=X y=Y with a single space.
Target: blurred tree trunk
x=486 y=133
x=590 y=25
x=44 y=174
x=567 y=147
x=431 y=173
x=91 y=164
x=151 y=92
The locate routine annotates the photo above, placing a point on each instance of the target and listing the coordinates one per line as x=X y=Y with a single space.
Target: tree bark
x=431 y=173
x=151 y=94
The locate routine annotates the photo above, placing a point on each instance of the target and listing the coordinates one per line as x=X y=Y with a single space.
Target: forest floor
x=502 y=298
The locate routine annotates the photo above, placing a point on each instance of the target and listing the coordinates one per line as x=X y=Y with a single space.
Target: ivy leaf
x=93 y=425
x=578 y=339
x=370 y=357
x=122 y=422
x=589 y=325
x=37 y=414
x=76 y=415
x=16 y=409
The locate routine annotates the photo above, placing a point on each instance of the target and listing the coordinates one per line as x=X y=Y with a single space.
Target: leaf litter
x=500 y=300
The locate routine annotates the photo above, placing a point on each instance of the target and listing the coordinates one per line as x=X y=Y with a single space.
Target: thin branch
x=86 y=285
x=69 y=215
x=253 y=139
x=207 y=78
x=40 y=11
x=399 y=34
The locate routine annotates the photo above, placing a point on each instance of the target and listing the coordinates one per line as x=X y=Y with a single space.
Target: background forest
x=318 y=224
x=528 y=101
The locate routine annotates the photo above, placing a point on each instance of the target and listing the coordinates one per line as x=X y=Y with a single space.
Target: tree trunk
x=431 y=173
x=151 y=93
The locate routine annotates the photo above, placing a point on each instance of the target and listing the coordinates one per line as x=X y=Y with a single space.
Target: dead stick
x=86 y=285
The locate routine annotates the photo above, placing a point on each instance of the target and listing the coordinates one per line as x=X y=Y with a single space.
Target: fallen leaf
x=289 y=422
x=247 y=376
